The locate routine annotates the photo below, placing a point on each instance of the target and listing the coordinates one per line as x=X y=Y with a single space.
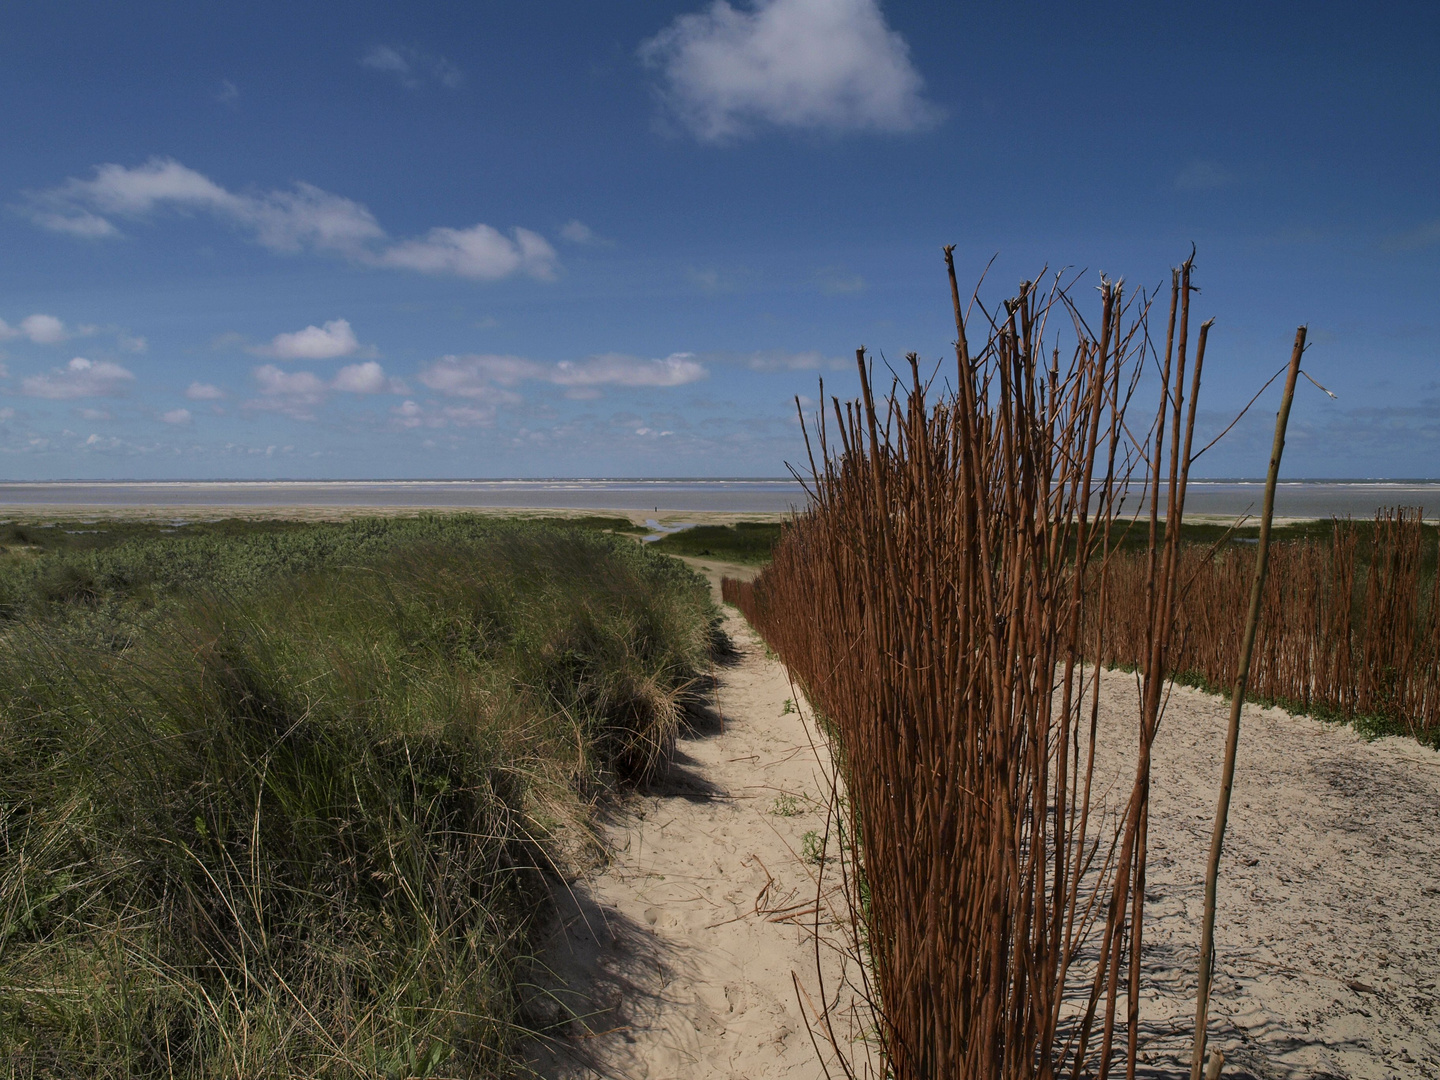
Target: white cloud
x=80 y=378
x=74 y=221
x=803 y=64
x=41 y=329
x=479 y=252
x=614 y=369
x=326 y=342
x=176 y=416
x=44 y=329
x=131 y=342
x=577 y=232
x=366 y=378
x=304 y=219
x=484 y=376
x=229 y=93
x=199 y=391
x=411 y=66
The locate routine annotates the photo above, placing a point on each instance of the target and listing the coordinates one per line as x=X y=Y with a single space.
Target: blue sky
x=616 y=239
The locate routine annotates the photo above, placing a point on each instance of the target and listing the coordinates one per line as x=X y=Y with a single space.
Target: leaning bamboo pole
x=1237 y=702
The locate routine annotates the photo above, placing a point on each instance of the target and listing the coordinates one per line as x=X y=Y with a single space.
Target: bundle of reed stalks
x=937 y=603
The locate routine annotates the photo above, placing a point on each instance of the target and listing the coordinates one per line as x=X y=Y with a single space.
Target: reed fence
x=935 y=604
x=1350 y=626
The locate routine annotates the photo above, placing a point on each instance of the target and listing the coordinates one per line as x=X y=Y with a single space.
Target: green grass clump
x=743 y=542
x=298 y=824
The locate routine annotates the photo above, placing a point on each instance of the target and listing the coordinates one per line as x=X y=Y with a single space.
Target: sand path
x=679 y=953
x=1328 y=936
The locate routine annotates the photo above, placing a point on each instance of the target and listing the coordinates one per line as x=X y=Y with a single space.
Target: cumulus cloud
x=42 y=330
x=176 y=416
x=832 y=65
x=366 y=378
x=199 y=391
x=306 y=218
x=326 y=342
x=81 y=378
x=486 y=377
x=411 y=67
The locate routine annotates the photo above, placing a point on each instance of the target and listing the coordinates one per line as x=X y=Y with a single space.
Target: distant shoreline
x=727 y=497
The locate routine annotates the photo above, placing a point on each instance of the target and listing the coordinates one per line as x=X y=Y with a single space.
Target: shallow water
x=733 y=496
x=1302 y=498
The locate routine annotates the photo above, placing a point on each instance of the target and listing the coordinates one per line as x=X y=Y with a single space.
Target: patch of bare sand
x=1328 y=912
x=679 y=957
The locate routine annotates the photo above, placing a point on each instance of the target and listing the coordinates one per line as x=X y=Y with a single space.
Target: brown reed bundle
x=933 y=606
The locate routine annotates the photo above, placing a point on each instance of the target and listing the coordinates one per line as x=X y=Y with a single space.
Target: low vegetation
x=281 y=800
x=744 y=542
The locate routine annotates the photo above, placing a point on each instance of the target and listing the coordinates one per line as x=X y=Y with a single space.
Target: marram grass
x=301 y=826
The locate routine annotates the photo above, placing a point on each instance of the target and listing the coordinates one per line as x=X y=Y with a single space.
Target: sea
x=736 y=495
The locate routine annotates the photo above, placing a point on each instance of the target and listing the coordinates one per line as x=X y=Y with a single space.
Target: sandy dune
x=679 y=954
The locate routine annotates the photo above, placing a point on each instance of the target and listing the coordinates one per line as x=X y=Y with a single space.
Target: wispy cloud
x=306 y=218
x=410 y=414
x=830 y=65
x=1204 y=175
x=298 y=394
x=199 y=391
x=835 y=281
x=1424 y=235
x=488 y=377
x=577 y=232
x=176 y=416
x=411 y=67
x=228 y=94
x=81 y=378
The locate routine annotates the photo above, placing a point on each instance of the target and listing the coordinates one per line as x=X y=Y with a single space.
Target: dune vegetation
x=288 y=800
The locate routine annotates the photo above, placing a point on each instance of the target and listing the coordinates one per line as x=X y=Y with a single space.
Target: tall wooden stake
x=1237 y=701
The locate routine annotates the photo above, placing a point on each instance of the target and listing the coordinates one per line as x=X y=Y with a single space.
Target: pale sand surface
x=682 y=949
x=42 y=513
x=1328 y=937
x=1328 y=916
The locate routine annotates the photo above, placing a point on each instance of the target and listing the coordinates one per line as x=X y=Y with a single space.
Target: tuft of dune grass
x=301 y=824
